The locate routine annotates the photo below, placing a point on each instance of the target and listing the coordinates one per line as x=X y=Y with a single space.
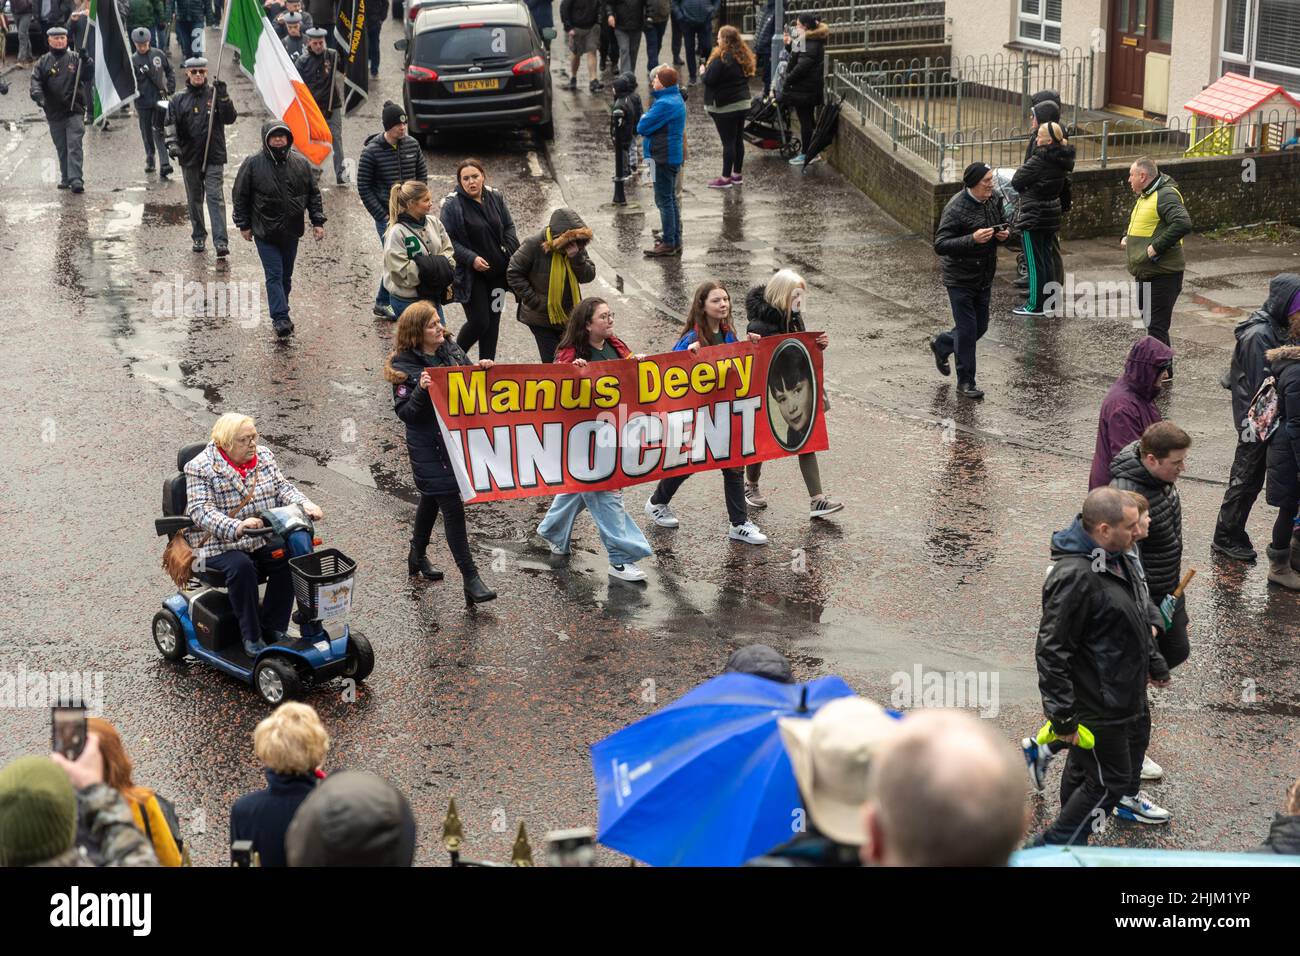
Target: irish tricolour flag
x=114 y=76
x=262 y=56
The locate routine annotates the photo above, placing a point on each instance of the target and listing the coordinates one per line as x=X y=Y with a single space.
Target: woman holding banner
x=777 y=309
x=709 y=323
x=589 y=337
x=420 y=344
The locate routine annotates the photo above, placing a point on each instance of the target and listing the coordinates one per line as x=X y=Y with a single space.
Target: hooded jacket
x=430 y=463
x=478 y=229
x=1094 y=640
x=804 y=84
x=626 y=100
x=352 y=819
x=153 y=77
x=382 y=166
x=1283 y=836
x=1162 y=550
x=1045 y=105
x=965 y=263
x=272 y=192
x=529 y=272
x=1264 y=329
x=1130 y=406
x=1041 y=182
x=1159 y=219
x=1282 y=484
x=189 y=110
x=664 y=126
x=766 y=319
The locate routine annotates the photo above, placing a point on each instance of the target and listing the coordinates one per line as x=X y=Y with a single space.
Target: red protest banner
x=515 y=431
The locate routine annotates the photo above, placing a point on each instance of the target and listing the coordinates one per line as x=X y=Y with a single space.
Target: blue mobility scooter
x=199 y=621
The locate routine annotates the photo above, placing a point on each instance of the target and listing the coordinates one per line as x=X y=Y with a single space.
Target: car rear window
x=465 y=46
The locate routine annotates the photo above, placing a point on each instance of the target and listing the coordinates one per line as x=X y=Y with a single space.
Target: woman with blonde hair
x=421 y=343
x=227 y=485
x=154 y=816
x=291 y=745
x=419 y=259
x=726 y=99
x=777 y=309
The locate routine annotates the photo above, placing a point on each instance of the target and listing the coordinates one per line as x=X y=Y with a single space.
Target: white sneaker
x=1150 y=769
x=748 y=533
x=663 y=515
x=1140 y=809
x=626 y=572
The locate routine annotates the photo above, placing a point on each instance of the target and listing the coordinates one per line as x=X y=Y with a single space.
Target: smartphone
x=68 y=729
x=243 y=854
x=1002 y=227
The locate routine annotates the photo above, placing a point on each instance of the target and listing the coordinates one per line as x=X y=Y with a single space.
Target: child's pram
x=767 y=124
x=1009 y=210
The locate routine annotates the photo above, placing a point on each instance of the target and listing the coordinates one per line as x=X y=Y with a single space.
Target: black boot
x=476 y=592
x=418 y=563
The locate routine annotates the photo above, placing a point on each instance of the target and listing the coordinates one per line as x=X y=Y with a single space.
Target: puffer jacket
x=804 y=84
x=418 y=259
x=270 y=195
x=1162 y=550
x=213 y=489
x=1094 y=646
x=382 y=166
x=1040 y=182
x=189 y=110
x=766 y=31
x=696 y=12
x=1159 y=219
x=153 y=77
x=1283 y=836
x=663 y=126
x=55 y=86
x=1130 y=405
x=1282 y=484
x=430 y=463
x=766 y=319
x=529 y=272
x=965 y=263
x=1265 y=329
x=317 y=71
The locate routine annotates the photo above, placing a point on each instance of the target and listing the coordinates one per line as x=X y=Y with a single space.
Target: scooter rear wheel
x=168 y=635
x=276 y=681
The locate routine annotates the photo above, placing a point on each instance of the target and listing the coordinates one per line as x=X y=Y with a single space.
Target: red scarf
x=243 y=469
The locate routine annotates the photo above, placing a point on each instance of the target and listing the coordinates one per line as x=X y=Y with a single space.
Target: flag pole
x=212 y=103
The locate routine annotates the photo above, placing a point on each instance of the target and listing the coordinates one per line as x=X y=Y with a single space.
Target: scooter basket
x=322 y=582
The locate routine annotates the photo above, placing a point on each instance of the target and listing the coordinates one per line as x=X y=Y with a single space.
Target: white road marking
x=534 y=165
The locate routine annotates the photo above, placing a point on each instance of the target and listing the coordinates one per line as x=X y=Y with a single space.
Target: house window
x=1261 y=38
x=1040 y=22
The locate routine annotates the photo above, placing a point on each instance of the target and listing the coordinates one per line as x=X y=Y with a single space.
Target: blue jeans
x=277 y=264
x=654 y=40
x=698 y=37
x=381 y=297
x=670 y=208
x=970 y=313
x=241 y=569
x=372 y=50
x=399 y=304
x=618 y=532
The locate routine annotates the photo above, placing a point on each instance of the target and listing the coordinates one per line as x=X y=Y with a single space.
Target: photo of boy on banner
x=792 y=395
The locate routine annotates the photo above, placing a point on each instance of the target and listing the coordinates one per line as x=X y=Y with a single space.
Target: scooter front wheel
x=361 y=657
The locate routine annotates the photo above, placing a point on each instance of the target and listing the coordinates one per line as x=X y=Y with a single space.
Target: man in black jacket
x=1094 y=651
x=272 y=190
x=627 y=18
x=967 y=241
x=318 y=68
x=387 y=158
x=60 y=86
x=1265 y=329
x=200 y=146
x=581 y=22
x=155 y=81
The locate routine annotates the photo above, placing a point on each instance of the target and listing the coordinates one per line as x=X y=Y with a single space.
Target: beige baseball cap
x=829 y=754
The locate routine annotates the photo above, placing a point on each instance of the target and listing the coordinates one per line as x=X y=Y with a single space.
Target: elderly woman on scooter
x=226 y=486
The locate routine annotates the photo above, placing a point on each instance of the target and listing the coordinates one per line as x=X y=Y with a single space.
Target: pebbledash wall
x=1229 y=191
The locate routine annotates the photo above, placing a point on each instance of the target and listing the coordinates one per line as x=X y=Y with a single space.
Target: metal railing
x=868 y=24
x=898 y=123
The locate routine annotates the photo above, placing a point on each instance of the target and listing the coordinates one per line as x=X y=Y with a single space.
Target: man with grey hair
x=1154 y=242
x=1094 y=653
x=944 y=791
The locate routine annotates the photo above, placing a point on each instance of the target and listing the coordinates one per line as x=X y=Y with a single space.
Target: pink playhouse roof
x=1232 y=95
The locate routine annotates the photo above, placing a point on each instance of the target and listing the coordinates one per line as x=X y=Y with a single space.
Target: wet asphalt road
x=936 y=562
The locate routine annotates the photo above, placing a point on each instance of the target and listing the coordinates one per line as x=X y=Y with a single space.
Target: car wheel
x=168 y=635
x=276 y=681
x=361 y=657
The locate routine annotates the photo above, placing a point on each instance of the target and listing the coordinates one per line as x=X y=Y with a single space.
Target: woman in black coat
x=419 y=345
x=726 y=99
x=804 y=87
x=1282 y=482
x=483 y=238
x=1043 y=184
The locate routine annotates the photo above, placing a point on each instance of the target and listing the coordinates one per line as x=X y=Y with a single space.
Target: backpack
x=173 y=825
x=1261 y=419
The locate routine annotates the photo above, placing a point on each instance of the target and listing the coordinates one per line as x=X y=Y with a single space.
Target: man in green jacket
x=1155 y=244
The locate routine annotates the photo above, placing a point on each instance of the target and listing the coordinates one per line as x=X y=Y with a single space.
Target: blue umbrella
x=706 y=781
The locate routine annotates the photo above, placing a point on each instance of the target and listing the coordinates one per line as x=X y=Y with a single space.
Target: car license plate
x=469 y=86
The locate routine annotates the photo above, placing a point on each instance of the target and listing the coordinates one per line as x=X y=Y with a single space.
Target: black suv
x=476 y=66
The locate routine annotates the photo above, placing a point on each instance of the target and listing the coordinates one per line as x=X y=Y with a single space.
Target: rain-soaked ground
x=935 y=563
